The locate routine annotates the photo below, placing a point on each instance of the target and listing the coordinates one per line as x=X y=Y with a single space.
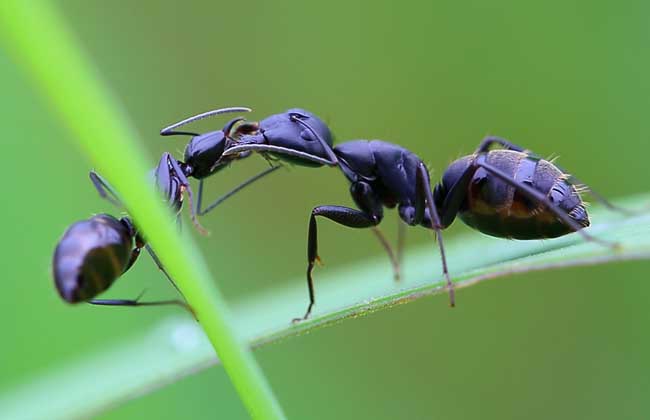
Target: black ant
x=204 y=154
x=508 y=193
x=93 y=253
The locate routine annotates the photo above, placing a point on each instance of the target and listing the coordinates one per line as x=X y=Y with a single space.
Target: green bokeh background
x=566 y=78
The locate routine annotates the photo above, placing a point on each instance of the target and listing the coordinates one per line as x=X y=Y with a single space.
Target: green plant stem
x=41 y=42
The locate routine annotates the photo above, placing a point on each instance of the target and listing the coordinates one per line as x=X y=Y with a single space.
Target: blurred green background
x=566 y=78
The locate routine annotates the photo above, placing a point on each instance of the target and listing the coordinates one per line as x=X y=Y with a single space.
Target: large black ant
x=204 y=154
x=93 y=253
x=509 y=193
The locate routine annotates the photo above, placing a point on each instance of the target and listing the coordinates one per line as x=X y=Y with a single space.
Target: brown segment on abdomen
x=497 y=209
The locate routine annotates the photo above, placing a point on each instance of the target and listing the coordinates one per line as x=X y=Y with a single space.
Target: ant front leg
x=104 y=189
x=267 y=148
x=298 y=118
x=185 y=183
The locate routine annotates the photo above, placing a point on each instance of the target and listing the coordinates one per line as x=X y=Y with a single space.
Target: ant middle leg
x=341 y=215
x=394 y=258
x=401 y=239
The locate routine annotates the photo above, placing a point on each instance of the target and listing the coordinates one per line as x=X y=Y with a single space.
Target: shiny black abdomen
x=90 y=256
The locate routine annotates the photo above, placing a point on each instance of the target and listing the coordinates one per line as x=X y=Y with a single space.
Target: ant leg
x=598 y=197
x=169 y=130
x=326 y=147
x=160 y=266
x=104 y=189
x=186 y=184
x=276 y=149
x=232 y=192
x=401 y=237
x=199 y=198
x=389 y=250
x=341 y=215
x=136 y=302
x=488 y=141
x=424 y=196
x=541 y=198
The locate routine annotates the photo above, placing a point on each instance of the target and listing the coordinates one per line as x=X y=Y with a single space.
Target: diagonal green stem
x=40 y=41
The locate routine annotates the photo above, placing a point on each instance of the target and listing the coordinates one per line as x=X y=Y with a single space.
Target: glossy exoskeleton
x=511 y=193
x=204 y=154
x=93 y=253
x=508 y=193
x=296 y=136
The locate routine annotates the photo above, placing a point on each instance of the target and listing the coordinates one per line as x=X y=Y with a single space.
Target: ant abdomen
x=90 y=256
x=497 y=208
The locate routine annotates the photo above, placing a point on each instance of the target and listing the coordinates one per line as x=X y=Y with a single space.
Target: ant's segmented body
x=508 y=193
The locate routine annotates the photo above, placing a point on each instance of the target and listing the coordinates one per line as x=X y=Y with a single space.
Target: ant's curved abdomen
x=497 y=209
x=91 y=254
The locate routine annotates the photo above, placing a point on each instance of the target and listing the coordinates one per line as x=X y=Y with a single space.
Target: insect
x=93 y=253
x=508 y=193
x=278 y=137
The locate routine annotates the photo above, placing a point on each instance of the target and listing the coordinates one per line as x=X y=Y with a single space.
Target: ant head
x=204 y=153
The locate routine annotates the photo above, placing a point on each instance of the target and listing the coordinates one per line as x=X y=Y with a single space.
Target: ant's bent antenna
x=167 y=131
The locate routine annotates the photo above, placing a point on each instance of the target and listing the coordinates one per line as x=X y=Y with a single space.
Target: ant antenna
x=168 y=131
